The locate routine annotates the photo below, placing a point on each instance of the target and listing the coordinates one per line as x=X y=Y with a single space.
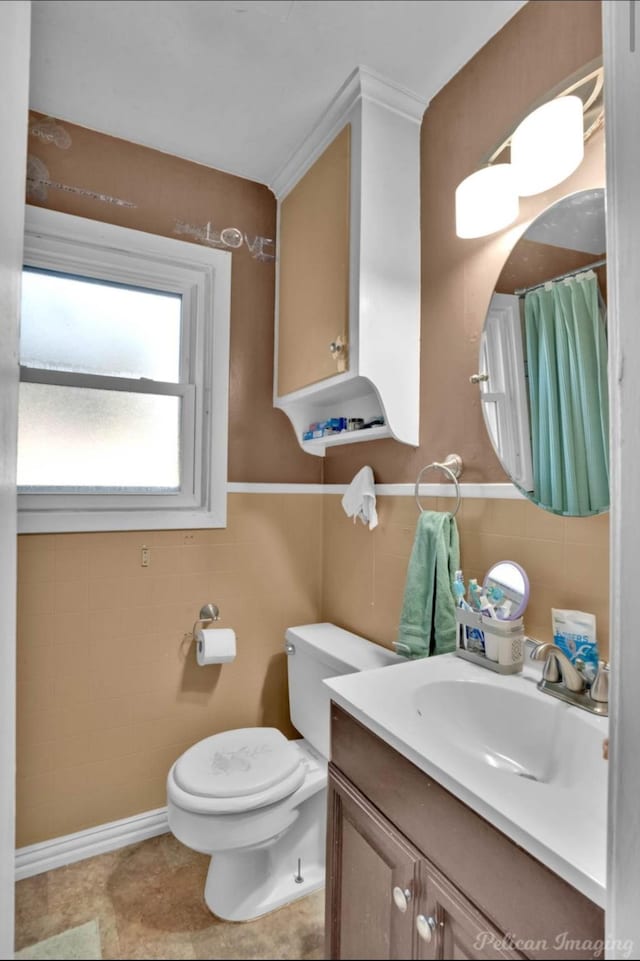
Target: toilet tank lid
x=339 y=649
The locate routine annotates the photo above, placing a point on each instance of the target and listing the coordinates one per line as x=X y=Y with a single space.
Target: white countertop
x=560 y=818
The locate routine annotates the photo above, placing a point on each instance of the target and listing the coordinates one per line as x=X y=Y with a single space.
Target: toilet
x=256 y=801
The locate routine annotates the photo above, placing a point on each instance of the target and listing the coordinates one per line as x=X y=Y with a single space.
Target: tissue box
x=492 y=643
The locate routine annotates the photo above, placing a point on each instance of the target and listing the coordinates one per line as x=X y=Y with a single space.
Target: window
x=504 y=393
x=124 y=379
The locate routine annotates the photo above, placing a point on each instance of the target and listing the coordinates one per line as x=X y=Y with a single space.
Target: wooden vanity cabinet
x=384 y=899
x=370 y=859
x=412 y=872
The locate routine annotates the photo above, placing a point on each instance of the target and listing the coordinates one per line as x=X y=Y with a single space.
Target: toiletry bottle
x=474 y=594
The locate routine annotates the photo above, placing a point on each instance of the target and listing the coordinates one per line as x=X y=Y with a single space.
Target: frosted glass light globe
x=548 y=145
x=486 y=201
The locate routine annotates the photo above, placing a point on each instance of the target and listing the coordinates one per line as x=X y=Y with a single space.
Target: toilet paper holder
x=208 y=613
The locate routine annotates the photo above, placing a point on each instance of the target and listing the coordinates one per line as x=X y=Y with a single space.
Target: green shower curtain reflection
x=567 y=369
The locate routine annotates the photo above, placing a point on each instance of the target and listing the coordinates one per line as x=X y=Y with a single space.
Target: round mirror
x=543 y=360
x=507 y=582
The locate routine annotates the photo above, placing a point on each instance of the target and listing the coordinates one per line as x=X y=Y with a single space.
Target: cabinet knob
x=401 y=898
x=336 y=346
x=426 y=927
x=478 y=378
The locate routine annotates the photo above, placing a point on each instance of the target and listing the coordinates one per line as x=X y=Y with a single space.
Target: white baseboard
x=38 y=858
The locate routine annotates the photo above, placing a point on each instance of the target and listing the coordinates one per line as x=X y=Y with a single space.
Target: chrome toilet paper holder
x=208 y=613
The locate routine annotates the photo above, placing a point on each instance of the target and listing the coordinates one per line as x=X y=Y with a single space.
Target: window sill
x=67 y=522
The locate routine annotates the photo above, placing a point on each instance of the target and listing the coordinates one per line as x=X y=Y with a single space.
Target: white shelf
x=320 y=444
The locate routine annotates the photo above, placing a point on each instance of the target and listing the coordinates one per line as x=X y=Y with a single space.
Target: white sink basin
x=513 y=729
x=527 y=762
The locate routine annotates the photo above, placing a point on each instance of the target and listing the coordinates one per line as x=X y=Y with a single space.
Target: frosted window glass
x=78 y=438
x=96 y=328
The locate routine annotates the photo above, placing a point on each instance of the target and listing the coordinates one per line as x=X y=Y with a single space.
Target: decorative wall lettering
x=50 y=131
x=39 y=182
x=229 y=237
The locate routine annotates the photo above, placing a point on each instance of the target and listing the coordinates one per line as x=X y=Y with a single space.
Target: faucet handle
x=531 y=645
x=551 y=670
x=599 y=690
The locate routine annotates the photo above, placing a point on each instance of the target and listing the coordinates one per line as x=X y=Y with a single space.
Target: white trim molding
x=201 y=276
x=47 y=855
x=15 y=29
x=493 y=491
x=362 y=81
x=621 y=23
x=240 y=487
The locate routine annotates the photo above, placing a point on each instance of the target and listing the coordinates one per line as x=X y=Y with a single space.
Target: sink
x=528 y=763
x=510 y=730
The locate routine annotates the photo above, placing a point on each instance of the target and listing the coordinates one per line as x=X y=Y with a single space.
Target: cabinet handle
x=401 y=898
x=478 y=378
x=426 y=927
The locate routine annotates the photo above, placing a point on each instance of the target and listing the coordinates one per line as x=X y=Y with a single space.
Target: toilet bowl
x=256 y=801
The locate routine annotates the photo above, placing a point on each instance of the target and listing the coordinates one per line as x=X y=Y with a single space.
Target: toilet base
x=247 y=883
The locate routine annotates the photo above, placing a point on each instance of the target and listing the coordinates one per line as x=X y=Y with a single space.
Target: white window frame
x=504 y=395
x=202 y=277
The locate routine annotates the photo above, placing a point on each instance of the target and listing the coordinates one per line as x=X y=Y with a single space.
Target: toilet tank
x=317 y=651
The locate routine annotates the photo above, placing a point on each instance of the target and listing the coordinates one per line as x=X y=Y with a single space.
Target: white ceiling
x=237 y=84
x=576 y=222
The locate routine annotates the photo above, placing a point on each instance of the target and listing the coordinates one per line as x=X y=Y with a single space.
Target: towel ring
x=452 y=466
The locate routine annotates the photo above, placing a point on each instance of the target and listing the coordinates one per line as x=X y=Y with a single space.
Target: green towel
x=427 y=622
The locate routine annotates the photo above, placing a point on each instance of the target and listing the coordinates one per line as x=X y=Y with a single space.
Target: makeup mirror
x=543 y=360
x=508 y=579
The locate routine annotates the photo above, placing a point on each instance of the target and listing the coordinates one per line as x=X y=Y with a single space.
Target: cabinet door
x=313 y=269
x=371 y=870
x=450 y=927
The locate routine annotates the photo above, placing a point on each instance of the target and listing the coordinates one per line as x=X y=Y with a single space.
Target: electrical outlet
x=145 y=557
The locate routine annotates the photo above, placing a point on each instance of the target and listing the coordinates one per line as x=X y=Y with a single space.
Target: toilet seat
x=236 y=771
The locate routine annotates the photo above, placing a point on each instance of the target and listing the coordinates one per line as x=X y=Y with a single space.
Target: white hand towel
x=360 y=498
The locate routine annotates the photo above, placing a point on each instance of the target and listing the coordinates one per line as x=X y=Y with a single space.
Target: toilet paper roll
x=216 y=645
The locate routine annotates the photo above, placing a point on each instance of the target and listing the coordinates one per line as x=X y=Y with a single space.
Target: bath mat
x=73 y=945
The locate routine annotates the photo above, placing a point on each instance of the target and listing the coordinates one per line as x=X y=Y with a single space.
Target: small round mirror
x=506 y=580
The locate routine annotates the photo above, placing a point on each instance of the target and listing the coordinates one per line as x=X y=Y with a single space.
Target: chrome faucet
x=571 y=682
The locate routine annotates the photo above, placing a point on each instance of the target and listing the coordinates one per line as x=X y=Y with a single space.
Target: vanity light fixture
x=486 y=201
x=543 y=150
x=548 y=145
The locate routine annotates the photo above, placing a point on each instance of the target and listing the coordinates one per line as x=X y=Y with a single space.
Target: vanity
x=441 y=847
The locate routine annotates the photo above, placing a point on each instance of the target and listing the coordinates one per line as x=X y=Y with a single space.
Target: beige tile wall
x=567 y=560
x=109 y=694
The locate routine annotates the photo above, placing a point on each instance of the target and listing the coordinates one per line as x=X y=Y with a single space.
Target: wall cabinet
x=314 y=272
x=348 y=271
x=412 y=872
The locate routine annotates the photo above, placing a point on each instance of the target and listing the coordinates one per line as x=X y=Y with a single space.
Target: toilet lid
x=237 y=763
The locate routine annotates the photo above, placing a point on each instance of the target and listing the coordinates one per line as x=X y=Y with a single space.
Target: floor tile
x=147 y=902
x=31 y=908
x=77 y=943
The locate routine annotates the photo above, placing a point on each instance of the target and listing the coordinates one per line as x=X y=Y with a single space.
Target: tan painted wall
x=533 y=263
x=566 y=558
x=166 y=189
x=543 y=44
x=364 y=572
x=109 y=693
